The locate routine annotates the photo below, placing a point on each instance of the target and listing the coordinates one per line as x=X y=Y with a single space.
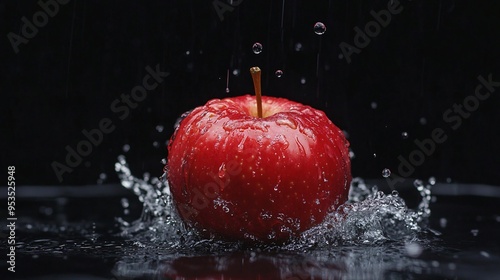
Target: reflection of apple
x=236 y=175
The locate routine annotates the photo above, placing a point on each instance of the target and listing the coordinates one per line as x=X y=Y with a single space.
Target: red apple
x=236 y=175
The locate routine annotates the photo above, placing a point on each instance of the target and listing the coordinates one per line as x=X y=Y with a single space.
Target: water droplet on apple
x=204 y=129
x=257 y=48
x=301 y=148
x=179 y=119
x=309 y=133
x=222 y=171
x=264 y=215
x=280 y=138
x=404 y=135
x=242 y=143
x=225 y=209
x=278 y=73
x=386 y=172
x=271 y=235
x=319 y=28
x=288 y=122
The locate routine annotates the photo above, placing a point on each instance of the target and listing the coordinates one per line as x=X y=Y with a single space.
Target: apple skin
x=235 y=176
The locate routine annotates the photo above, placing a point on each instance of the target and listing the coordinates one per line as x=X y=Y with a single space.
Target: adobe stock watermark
x=454 y=117
x=362 y=38
x=121 y=107
x=40 y=19
x=228 y=6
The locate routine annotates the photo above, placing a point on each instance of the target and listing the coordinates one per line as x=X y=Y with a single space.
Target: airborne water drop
x=319 y=28
x=257 y=48
x=386 y=172
x=126 y=148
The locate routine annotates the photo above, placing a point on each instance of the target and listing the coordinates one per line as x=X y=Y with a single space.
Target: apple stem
x=255 y=71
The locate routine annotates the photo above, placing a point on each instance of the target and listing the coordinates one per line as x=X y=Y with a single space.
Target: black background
x=67 y=76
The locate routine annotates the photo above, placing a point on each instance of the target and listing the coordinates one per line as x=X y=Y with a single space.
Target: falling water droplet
x=474 y=232
x=386 y=172
x=156 y=144
x=303 y=81
x=404 y=135
x=124 y=202
x=159 y=128
x=351 y=155
x=319 y=28
x=103 y=176
x=443 y=222
x=432 y=181
x=298 y=47
x=164 y=161
x=374 y=155
x=236 y=72
x=374 y=105
x=423 y=121
x=278 y=73
x=227 y=81
x=257 y=48
x=126 y=148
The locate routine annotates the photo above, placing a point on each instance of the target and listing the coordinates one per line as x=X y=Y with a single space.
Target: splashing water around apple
x=368 y=217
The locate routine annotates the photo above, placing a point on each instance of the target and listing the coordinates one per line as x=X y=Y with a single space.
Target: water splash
x=158 y=222
x=368 y=217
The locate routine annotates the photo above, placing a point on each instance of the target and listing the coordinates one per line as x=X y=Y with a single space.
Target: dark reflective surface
x=76 y=238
